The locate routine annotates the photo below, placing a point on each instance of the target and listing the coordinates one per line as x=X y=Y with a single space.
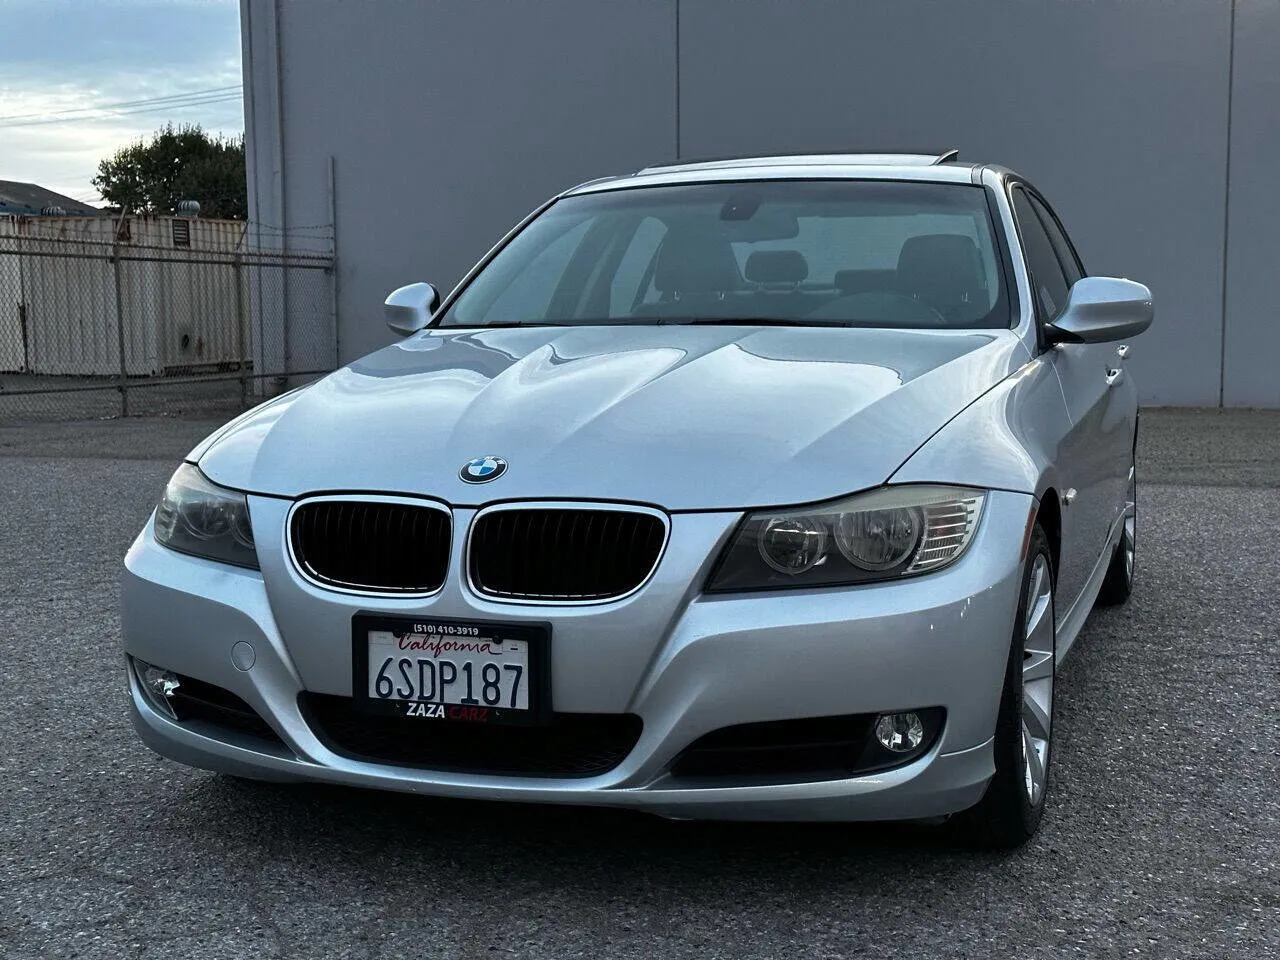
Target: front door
x=1095 y=452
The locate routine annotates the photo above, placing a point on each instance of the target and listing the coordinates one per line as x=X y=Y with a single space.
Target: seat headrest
x=777 y=266
x=943 y=269
x=693 y=262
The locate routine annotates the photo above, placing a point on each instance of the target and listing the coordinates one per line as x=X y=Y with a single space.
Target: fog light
x=899 y=732
x=160 y=686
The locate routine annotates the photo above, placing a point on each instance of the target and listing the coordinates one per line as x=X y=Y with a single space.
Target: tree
x=177 y=164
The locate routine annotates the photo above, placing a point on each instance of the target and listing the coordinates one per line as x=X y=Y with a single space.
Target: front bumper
x=685 y=663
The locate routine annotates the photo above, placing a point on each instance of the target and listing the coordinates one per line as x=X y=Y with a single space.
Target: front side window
x=1061 y=245
x=1048 y=282
x=831 y=252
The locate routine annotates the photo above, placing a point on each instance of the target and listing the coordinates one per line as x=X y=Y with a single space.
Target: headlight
x=887 y=533
x=201 y=518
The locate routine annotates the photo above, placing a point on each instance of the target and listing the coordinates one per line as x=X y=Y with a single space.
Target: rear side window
x=1048 y=282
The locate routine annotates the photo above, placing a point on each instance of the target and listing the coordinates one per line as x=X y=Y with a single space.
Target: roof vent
x=53 y=212
x=189 y=208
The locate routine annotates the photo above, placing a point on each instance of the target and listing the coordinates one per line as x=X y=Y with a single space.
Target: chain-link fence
x=105 y=317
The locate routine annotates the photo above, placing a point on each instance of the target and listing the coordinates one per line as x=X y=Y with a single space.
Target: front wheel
x=1009 y=813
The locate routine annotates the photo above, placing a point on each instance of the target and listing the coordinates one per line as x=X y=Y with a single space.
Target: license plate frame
x=537 y=636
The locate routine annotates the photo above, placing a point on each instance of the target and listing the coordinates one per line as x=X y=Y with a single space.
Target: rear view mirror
x=1100 y=309
x=409 y=309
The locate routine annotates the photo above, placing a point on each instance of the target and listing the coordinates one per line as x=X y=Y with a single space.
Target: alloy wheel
x=1037 y=679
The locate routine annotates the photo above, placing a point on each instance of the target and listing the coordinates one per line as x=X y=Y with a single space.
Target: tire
x=1118 y=583
x=1009 y=813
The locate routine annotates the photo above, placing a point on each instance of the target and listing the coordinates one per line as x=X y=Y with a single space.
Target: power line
x=221 y=98
x=126 y=103
x=126 y=113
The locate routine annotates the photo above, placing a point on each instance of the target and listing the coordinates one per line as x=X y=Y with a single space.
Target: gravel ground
x=1161 y=839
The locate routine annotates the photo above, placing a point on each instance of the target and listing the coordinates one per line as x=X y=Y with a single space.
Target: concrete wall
x=1251 y=350
x=429 y=127
x=447 y=121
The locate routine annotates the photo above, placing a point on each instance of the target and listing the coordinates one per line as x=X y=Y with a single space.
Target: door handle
x=1114 y=376
x=1122 y=351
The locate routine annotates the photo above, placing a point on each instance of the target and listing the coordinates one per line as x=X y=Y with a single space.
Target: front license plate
x=467 y=671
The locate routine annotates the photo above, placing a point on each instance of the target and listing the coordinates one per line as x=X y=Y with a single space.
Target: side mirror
x=409 y=309
x=1100 y=309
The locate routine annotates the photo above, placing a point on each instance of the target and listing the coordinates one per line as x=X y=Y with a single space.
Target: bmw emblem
x=483 y=469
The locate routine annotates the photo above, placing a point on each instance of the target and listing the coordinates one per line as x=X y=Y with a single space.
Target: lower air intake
x=571 y=745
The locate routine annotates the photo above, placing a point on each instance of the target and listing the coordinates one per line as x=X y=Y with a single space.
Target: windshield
x=830 y=252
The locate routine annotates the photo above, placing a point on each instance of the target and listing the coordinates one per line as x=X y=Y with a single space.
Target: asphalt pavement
x=1161 y=839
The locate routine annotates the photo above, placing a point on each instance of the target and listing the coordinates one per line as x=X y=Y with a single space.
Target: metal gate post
x=240 y=329
x=22 y=302
x=124 y=370
x=333 y=260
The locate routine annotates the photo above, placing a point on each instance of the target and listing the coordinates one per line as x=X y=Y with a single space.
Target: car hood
x=683 y=417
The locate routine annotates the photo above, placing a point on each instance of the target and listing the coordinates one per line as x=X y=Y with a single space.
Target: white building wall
x=444 y=121
x=447 y=121
x=1251 y=349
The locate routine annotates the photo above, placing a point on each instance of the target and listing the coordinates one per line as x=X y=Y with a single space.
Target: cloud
x=72 y=55
x=113 y=33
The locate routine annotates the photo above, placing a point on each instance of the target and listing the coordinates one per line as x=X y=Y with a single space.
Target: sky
x=66 y=60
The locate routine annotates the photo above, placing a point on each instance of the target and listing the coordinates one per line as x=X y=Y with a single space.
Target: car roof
x=941 y=167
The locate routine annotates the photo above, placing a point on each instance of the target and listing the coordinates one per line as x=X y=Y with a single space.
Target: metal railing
x=102 y=318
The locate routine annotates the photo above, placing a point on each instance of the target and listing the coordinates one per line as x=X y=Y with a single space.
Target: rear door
x=1086 y=460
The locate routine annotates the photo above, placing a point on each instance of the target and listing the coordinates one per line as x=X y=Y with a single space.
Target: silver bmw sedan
x=769 y=488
